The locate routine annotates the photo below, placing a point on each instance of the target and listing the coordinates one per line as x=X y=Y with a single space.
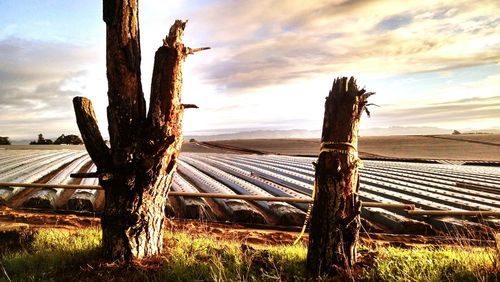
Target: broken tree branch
x=194 y=50
x=190 y=106
x=92 y=138
x=166 y=84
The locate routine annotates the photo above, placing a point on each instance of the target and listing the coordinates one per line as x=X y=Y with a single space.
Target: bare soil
x=448 y=147
x=477 y=147
x=25 y=218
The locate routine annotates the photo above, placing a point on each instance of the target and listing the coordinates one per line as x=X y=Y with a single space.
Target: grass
x=51 y=251
x=435 y=264
x=64 y=255
x=192 y=258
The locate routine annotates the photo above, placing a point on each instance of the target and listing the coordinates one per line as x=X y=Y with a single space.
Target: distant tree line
x=63 y=139
x=4 y=140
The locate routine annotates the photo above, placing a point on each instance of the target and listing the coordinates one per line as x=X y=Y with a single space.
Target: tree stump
x=137 y=171
x=335 y=218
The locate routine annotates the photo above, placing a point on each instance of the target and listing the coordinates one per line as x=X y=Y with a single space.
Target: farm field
x=429 y=186
x=42 y=147
x=483 y=147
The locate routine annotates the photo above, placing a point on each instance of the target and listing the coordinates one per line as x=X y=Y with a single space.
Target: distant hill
x=404 y=130
x=259 y=134
x=304 y=133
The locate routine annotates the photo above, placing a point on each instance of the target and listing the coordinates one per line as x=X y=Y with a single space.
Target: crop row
x=427 y=186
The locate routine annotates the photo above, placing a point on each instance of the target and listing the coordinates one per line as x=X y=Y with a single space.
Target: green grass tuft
x=200 y=258
x=51 y=250
x=435 y=264
x=58 y=254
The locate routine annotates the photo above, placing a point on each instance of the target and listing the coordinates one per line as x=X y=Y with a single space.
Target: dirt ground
x=19 y=220
x=478 y=147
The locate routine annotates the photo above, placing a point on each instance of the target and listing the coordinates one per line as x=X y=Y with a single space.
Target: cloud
x=458 y=102
x=28 y=62
x=272 y=63
x=33 y=86
x=256 y=45
x=47 y=96
x=478 y=112
x=47 y=110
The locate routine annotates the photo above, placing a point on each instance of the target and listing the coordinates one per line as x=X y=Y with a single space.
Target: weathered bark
x=335 y=220
x=137 y=171
x=126 y=109
x=92 y=138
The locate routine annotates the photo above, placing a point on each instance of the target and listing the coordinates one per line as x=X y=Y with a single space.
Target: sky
x=272 y=63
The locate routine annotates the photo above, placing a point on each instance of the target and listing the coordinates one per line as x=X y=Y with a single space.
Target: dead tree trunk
x=137 y=170
x=335 y=221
